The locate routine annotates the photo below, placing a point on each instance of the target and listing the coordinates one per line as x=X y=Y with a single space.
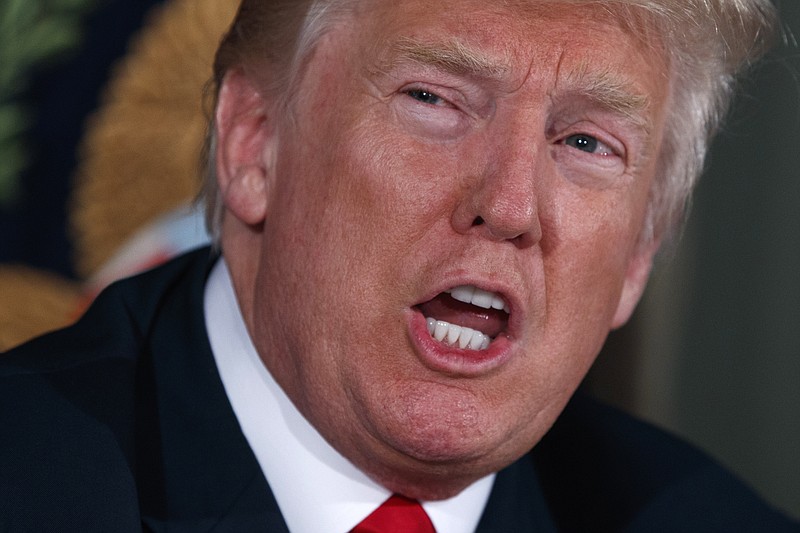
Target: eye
x=587 y=143
x=436 y=115
x=426 y=97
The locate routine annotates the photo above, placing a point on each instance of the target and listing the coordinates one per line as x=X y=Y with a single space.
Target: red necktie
x=398 y=514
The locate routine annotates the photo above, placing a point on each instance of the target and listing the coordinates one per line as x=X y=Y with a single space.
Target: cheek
x=587 y=247
x=339 y=233
x=399 y=184
x=596 y=230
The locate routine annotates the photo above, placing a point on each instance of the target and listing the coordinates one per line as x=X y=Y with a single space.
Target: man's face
x=470 y=166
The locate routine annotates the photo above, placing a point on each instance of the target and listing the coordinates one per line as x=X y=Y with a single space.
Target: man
x=429 y=218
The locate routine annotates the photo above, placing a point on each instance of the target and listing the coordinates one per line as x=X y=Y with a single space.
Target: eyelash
x=426 y=97
x=591 y=141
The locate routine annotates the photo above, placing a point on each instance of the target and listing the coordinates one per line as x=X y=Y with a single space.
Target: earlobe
x=636 y=278
x=244 y=148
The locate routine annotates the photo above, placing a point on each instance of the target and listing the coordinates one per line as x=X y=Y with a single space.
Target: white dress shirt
x=303 y=470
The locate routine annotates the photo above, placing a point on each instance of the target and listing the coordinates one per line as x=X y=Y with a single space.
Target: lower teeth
x=463 y=337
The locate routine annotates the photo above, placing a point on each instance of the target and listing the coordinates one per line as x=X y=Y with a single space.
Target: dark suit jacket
x=121 y=423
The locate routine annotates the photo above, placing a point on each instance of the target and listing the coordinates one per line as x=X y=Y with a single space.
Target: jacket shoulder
x=603 y=470
x=115 y=324
x=67 y=402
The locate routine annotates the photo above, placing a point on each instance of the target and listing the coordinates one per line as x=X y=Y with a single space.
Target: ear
x=245 y=148
x=639 y=267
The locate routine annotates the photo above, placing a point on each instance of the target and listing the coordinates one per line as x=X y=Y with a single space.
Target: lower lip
x=447 y=359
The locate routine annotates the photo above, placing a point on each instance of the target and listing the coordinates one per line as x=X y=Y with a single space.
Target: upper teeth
x=463 y=337
x=473 y=295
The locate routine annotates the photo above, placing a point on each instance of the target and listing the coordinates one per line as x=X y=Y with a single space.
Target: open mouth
x=466 y=317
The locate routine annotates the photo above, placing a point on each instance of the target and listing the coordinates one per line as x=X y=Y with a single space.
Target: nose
x=500 y=203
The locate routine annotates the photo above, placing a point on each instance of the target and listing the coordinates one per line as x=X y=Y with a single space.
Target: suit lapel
x=516 y=502
x=194 y=467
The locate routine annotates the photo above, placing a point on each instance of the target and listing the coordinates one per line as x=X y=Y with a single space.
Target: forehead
x=519 y=17
x=514 y=39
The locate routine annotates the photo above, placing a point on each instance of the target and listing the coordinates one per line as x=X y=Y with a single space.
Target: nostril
x=478 y=221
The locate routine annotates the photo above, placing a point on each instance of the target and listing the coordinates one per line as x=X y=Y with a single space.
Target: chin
x=439 y=469
x=442 y=439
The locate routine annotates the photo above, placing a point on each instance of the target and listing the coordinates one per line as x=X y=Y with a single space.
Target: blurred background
x=712 y=353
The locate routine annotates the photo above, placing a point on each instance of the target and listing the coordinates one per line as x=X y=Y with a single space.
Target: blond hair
x=708 y=44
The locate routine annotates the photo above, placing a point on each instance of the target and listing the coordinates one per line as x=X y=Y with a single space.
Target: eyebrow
x=610 y=91
x=450 y=56
x=603 y=88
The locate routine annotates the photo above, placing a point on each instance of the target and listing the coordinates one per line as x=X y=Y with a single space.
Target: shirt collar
x=303 y=470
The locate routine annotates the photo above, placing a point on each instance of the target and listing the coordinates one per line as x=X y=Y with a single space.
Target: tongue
x=488 y=321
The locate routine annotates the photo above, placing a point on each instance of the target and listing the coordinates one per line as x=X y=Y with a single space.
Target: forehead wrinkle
x=451 y=56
